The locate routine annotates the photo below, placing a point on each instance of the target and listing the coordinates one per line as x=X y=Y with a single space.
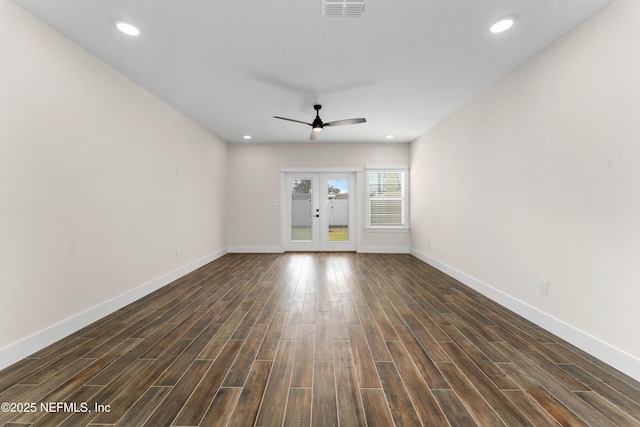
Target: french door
x=320 y=211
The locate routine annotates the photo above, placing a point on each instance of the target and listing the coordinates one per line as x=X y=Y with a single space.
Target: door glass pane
x=301 y=210
x=338 y=210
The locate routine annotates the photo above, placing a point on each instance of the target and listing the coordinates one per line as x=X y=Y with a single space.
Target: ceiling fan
x=318 y=125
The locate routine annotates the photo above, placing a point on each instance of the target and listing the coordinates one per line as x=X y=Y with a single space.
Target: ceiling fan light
x=317 y=124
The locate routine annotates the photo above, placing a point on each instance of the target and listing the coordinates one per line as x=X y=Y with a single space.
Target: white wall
x=91 y=208
x=254 y=186
x=540 y=178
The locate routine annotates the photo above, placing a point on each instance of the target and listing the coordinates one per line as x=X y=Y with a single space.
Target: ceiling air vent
x=332 y=9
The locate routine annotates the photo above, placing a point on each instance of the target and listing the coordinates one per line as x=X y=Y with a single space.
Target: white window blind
x=387 y=198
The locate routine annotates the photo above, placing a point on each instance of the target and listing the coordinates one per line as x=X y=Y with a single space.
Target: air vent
x=333 y=9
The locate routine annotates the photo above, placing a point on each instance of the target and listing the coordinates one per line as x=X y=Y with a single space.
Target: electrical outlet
x=429 y=244
x=177 y=253
x=543 y=286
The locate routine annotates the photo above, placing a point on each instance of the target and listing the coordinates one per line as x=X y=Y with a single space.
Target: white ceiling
x=233 y=65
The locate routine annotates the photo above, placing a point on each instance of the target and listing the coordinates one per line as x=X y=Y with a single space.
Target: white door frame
x=320 y=241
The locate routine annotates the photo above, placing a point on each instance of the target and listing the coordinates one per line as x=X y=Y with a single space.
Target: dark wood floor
x=316 y=339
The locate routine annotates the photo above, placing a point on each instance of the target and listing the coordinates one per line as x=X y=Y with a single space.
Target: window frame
x=404 y=169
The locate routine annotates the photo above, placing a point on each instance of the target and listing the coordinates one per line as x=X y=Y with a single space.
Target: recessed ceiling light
x=389 y=136
x=128 y=29
x=503 y=24
x=247 y=137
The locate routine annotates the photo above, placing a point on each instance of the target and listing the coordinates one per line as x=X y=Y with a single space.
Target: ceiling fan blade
x=292 y=120
x=345 y=122
x=314 y=134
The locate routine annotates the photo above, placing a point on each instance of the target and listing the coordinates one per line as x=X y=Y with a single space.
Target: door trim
x=357 y=170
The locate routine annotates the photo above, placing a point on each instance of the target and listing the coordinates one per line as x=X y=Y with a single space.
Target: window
x=387 y=198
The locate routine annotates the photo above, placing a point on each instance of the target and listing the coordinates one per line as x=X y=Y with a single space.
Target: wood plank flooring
x=315 y=339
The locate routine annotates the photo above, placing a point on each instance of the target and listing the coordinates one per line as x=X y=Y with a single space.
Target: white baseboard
x=39 y=340
x=383 y=250
x=279 y=249
x=256 y=249
x=613 y=356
